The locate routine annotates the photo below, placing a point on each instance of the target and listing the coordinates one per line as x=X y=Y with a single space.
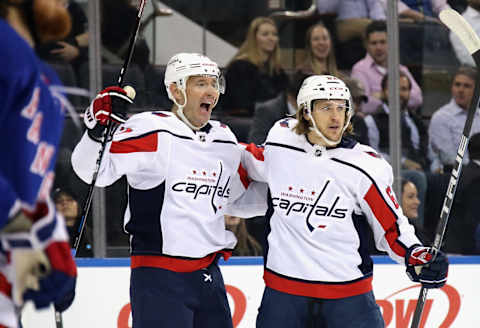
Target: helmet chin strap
x=182 y=116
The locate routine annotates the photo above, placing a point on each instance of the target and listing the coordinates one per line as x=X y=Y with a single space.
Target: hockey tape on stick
x=458 y=25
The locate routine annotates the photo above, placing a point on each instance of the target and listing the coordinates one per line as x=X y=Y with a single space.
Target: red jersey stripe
x=386 y=217
x=60 y=257
x=175 y=264
x=317 y=289
x=257 y=152
x=148 y=143
x=5 y=286
x=243 y=176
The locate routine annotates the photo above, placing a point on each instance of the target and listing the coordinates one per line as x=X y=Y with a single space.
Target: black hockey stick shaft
x=88 y=201
x=123 y=70
x=458 y=25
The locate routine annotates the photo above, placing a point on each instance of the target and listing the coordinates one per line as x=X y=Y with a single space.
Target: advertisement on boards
x=102 y=298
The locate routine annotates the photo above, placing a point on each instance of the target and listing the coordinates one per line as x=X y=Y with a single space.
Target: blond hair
x=249 y=49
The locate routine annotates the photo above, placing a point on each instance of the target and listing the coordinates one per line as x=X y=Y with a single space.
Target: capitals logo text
x=203 y=183
x=308 y=203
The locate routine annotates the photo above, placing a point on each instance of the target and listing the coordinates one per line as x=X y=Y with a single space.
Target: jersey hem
x=328 y=290
x=174 y=263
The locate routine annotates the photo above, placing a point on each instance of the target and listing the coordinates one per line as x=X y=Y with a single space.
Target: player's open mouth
x=206 y=106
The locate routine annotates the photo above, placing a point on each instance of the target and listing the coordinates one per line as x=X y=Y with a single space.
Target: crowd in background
x=348 y=40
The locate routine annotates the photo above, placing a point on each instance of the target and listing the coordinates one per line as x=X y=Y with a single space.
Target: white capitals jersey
x=320 y=203
x=179 y=186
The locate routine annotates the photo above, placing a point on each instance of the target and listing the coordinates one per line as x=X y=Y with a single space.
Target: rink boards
x=103 y=294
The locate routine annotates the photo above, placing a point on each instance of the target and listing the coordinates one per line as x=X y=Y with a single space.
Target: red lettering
x=240 y=303
x=123 y=316
x=33 y=133
x=403 y=318
x=387 y=311
x=31 y=108
x=392 y=197
x=42 y=159
x=46 y=186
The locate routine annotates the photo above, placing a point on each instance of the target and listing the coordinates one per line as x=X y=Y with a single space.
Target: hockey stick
x=88 y=201
x=456 y=23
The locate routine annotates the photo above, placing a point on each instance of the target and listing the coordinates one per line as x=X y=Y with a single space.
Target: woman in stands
x=255 y=73
x=320 y=56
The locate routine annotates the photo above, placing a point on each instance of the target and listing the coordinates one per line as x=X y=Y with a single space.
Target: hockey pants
x=281 y=310
x=165 y=299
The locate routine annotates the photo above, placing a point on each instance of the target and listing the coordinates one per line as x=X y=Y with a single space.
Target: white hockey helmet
x=324 y=87
x=183 y=65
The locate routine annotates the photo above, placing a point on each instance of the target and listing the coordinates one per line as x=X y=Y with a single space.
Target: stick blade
x=456 y=23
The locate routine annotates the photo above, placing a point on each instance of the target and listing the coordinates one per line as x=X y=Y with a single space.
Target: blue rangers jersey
x=31 y=120
x=180 y=183
x=320 y=204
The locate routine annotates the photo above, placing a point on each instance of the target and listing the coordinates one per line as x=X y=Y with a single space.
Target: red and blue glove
x=36 y=242
x=422 y=266
x=110 y=105
x=58 y=285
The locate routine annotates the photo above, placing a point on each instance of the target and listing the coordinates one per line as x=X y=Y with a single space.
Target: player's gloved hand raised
x=110 y=105
x=423 y=268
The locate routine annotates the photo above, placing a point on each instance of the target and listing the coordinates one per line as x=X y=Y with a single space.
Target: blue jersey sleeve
x=31 y=120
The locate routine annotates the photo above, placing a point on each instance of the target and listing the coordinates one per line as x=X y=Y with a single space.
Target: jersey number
x=392 y=197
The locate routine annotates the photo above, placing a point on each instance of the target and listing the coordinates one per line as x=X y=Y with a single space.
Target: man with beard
x=35 y=258
x=318 y=272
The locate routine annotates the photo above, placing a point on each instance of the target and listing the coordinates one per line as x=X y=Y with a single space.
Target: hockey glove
x=42 y=266
x=110 y=105
x=58 y=286
x=421 y=267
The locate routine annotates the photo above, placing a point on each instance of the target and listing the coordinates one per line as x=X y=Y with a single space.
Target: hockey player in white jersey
x=181 y=169
x=325 y=189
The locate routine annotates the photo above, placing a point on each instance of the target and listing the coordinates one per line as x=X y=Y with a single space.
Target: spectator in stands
x=410 y=206
x=357 y=91
x=246 y=244
x=255 y=73
x=414 y=133
x=66 y=202
x=461 y=236
x=446 y=125
x=414 y=136
x=371 y=69
x=73 y=48
x=320 y=56
x=270 y=111
x=471 y=15
x=410 y=201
